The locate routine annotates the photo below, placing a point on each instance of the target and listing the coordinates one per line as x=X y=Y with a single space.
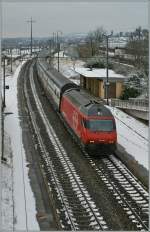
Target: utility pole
x=107 y=76
x=4 y=104
x=54 y=40
x=58 y=50
x=50 y=47
x=11 y=62
x=31 y=21
x=20 y=52
x=3 y=159
x=58 y=47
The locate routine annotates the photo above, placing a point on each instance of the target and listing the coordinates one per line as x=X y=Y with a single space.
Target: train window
x=100 y=125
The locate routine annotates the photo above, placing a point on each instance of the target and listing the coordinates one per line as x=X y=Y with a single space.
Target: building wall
x=96 y=87
x=119 y=89
x=87 y=84
x=92 y=86
x=101 y=89
x=81 y=81
x=112 y=90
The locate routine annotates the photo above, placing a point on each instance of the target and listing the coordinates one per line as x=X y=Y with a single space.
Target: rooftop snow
x=99 y=73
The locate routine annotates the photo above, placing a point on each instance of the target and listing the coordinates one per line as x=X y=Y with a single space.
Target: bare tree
x=99 y=34
x=91 y=42
x=94 y=38
x=138 y=46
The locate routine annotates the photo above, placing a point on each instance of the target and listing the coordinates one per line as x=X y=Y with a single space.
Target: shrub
x=97 y=62
x=129 y=92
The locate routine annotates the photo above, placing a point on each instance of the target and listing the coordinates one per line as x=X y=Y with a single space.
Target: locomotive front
x=99 y=128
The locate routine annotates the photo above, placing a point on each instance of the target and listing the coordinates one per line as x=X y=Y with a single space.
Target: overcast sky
x=72 y=17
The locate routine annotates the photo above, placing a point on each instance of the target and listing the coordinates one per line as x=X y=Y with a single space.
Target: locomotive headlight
x=91 y=141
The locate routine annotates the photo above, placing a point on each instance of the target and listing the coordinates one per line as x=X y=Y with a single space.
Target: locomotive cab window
x=100 y=125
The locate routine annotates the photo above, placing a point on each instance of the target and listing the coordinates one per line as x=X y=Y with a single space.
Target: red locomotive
x=90 y=121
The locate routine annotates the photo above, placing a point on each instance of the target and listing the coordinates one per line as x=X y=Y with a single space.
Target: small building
x=94 y=81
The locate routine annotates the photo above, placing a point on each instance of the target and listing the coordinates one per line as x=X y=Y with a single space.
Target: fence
x=132 y=103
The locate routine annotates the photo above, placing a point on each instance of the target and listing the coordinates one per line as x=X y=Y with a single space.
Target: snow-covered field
x=24 y=211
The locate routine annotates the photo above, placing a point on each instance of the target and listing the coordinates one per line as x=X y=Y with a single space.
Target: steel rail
x=45 y=154
x=106 y=178
x=98 y=218
x=124 y=171
x=62 y=151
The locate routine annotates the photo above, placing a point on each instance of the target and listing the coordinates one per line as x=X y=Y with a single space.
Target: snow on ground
x=24 y=202
x=132 y=135
x=67 y=67
x=17 y=52
x=7 y=212
x=61 y=54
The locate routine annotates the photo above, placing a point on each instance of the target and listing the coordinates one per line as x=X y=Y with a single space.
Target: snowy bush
x=97 y=62
x=138 y=80
x=135 y=85
x=121 y=69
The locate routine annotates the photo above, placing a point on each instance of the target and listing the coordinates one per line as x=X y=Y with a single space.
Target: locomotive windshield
x=100 y=125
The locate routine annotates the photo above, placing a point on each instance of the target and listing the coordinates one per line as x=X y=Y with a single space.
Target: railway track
x=79 y=210
x=127 y=190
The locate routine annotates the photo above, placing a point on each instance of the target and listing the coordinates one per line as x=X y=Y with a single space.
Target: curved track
x=78 y=210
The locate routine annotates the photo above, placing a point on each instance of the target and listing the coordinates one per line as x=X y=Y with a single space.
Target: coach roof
x=57 y=78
